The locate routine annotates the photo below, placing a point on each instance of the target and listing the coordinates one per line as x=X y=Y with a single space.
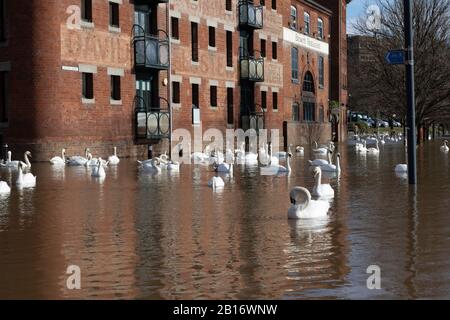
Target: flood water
x=169 y=236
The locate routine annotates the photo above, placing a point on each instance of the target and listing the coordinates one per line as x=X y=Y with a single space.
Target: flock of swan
x=304 y=204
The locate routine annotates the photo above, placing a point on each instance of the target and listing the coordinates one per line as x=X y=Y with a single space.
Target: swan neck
x=27 y=161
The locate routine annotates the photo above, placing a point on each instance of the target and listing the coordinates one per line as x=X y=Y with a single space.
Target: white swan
x=329 y=167
x=321 y=162
x=98 y=171
x=25 y=180
x=321 y=190
x=224 y=167
x=59 y=160
x=4 y=188
x=27 y=163
x=151 y=165
x=276 y=169
x=79 y=160
x=361 y=147
x=91 y=162
x=317 y=150
x=216 y=182
x=300 y=150
x=302 y=207
x=401 y=168
x=173 y=166
x=444 y=147
x=15 y=163
x=114 y=159
x=375 y=150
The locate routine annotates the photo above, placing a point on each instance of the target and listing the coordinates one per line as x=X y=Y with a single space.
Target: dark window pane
x=263 y=99
x=274 y=4
x=195 y=95
x=175 y=31
x=86 y=10
x=228 y=5
x=294 y=63
x=230 y=108
x=115 y=88
x=212 y=36
x=213 y=96
x=114 y=14
x=175 y=92
x=263 y=48
x=274 y=51
x=229 y=49
x=194 y=40
x=275 y=100
x=88 y=85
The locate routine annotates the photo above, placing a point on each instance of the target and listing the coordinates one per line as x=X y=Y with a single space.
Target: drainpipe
x=169 y=83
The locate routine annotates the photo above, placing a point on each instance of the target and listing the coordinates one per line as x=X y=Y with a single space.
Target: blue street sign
x=395 y=57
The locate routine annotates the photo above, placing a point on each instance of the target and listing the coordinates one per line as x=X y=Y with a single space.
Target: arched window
x=308 y=82
x=320 y=28
x=307 y=22
x=293 y=21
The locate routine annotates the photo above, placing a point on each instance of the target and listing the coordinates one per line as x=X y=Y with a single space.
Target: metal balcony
x=151 y=123
x=150 y=51
x=251 y=67
x=250 y=15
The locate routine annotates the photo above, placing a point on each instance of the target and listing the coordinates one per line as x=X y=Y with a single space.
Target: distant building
x=118 y=76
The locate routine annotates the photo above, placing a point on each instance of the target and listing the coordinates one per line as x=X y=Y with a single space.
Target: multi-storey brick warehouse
x=104 y=73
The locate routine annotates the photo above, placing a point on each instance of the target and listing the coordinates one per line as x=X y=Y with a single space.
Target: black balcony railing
x=251 y=66
x=250 y=15
x=253 y=118
x=150 y=51
x=151 y=123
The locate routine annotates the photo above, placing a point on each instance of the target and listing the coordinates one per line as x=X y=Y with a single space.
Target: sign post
x=411 y=109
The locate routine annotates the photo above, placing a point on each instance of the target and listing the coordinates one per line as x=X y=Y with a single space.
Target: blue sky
x=354 y=10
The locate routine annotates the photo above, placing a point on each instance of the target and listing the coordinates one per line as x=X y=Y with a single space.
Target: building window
x=3 y=96
x=86 y=10
x=230 y=109
x=228 y=5
x=295 y=112
x=293 y=20
x=195 y=96
x=321 y=115
x=114 y=14
x=212 y=36
x=294 y=64
x=274 y=4
x=115 y=88
x=274 y=51
x=229 y=49
x=307 y=22
x=308 y=82
x=213 y=96
x=321 y=72
x=309 y=112
x=263 y=48
x=264 y=100
x=194 y=41
x=275 y=100
x=320 y=28
x=2 y=21
x=176 y=92
x=174 y=28
x=88 y=85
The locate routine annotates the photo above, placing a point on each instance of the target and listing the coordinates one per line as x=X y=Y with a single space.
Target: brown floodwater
x=169 y=236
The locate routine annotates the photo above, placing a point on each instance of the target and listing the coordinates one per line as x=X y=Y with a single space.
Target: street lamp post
x=411 y=112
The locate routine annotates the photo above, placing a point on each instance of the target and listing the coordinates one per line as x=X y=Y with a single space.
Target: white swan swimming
x=444 y=147
x=321 y=162
x=25 y=180
x=59 y=160
x=4 y=188
x=224 y=167
x=216 y=182
x=361 y=147
x=14 y=164
x=321 y=190
x=79 y=160
x=302 y=207
x=300 y=150
x=151 y=165
x=173 y=166
x=27 y=163
x=401 y=168
x=114 y=159
x=329 y=167
x=98 y=171
x=277 y=169
x=374 y=151
x=322 y=150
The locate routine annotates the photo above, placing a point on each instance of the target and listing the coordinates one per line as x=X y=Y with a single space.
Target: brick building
x=104 y=73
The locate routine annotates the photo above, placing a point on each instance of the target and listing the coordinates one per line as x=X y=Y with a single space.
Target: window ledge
x=115 y=102
x=274 y=60
x=213 y=49
x=295 y=81
x=176 y=106
x=87 y=101
x=275 y=110
x=215 y=108
x=229 y=12
x=87 y=25
x=229 y=68
x=175 y=40
x=114 y=29
x=195 y=63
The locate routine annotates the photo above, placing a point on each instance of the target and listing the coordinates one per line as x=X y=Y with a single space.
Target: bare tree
x=383 y=84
